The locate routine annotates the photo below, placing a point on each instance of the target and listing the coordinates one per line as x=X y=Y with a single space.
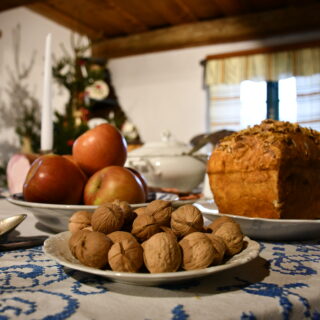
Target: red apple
x=111 y=183
x=54 y=179
x=71 y=158
x=142 y=179
x=100 y=147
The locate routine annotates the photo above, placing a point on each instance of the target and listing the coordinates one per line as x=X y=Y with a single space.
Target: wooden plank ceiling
x=126 y=27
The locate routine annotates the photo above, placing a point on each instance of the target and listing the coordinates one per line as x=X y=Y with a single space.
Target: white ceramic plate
x=56 y=247
x=267 y=229
x=56 y=216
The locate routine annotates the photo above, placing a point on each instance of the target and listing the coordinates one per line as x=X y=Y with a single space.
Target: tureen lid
x=166 y=147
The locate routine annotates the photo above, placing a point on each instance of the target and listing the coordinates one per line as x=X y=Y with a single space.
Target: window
x=288 y=100
x=224 y=107
x=254 y=108
x=253 y=96
x=308 y=101
x=291 y=93
x=236 y=107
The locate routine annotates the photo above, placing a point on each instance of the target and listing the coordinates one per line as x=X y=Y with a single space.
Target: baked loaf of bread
x=271 y=170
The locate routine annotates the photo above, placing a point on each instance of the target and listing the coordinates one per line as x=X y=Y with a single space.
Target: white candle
x=46 y=114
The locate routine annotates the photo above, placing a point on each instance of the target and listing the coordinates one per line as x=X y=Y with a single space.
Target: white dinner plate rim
x=24 y=203
x=76 y=207
x=215 y=212
x=248 y=254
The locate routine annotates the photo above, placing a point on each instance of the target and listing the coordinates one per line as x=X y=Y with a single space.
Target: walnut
x=231 y=234
x=90 y=248
x=107 y=218
x=118 y=236
x=144 y=226
x=197 y=251
x=216 y=224
x=103 y=239
x=79 y=220
x=168 y=230
x=186 y=219
x=126 y=256
x=141 y=210
x=161 y=253
x=128 y=213
x=161 y=210
x=219 y=246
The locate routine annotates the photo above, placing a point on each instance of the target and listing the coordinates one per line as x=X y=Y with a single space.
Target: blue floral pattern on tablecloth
x=283 y=283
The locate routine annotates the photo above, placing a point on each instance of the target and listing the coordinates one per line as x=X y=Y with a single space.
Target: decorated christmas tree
x=92 y=99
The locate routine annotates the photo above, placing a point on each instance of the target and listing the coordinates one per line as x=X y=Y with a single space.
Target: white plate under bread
x=267 y=229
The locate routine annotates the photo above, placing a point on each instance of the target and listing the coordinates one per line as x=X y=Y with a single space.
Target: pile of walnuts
x=156 y=238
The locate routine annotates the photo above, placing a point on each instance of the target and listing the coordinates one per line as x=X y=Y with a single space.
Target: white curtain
x=308 y=101
x=224 y=107
x=268 y=66
x=223 y=78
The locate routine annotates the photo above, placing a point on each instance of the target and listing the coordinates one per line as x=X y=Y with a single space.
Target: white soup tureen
x=169 y=164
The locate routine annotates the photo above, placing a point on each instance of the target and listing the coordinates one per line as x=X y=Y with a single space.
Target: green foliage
x=28 y=125
x=68 y=126
x=65 y=132
x=76 y=73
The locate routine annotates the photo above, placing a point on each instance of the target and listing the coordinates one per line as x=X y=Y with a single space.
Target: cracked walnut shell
x=141 y=210
x=107 y=218
x=90 y=248
x=161 y=253
x=144 y=226
x=186 y=219
x=128 y=214
x=118 y=236
x=79 y=220
x=126 y=256
x=161 y=210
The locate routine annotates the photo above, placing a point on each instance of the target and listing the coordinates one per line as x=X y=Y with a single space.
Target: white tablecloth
x=282 y=283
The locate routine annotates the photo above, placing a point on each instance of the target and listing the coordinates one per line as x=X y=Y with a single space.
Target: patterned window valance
x=263 y=66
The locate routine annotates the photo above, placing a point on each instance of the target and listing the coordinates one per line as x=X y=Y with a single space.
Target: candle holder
x=44 y=152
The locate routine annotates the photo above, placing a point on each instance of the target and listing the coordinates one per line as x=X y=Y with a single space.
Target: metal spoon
x=9 y=224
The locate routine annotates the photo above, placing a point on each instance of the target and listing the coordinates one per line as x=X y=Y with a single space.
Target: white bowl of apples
x=56 y=186
x=54 y=217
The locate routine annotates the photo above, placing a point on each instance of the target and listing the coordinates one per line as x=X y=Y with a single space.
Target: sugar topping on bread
x=270 y=170
x=271 y=131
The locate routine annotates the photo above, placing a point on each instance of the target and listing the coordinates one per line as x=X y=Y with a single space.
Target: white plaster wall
x=165 y=90
x=162 y=91
x=158 y=91
x=34 y=29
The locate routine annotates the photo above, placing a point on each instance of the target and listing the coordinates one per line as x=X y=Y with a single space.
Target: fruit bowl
x=53 y=216
x=56 y=216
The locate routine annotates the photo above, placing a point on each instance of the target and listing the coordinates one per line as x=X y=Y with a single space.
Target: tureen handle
x=144 y=166
x=166 y=135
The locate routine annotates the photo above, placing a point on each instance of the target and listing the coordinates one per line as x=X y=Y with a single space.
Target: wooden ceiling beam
x=108 y=16
x=187 y=12
x=52 y=13
x=229 y=7
x=174 y=11
x=10 y=4
x=134 y=24
x=244 y=27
